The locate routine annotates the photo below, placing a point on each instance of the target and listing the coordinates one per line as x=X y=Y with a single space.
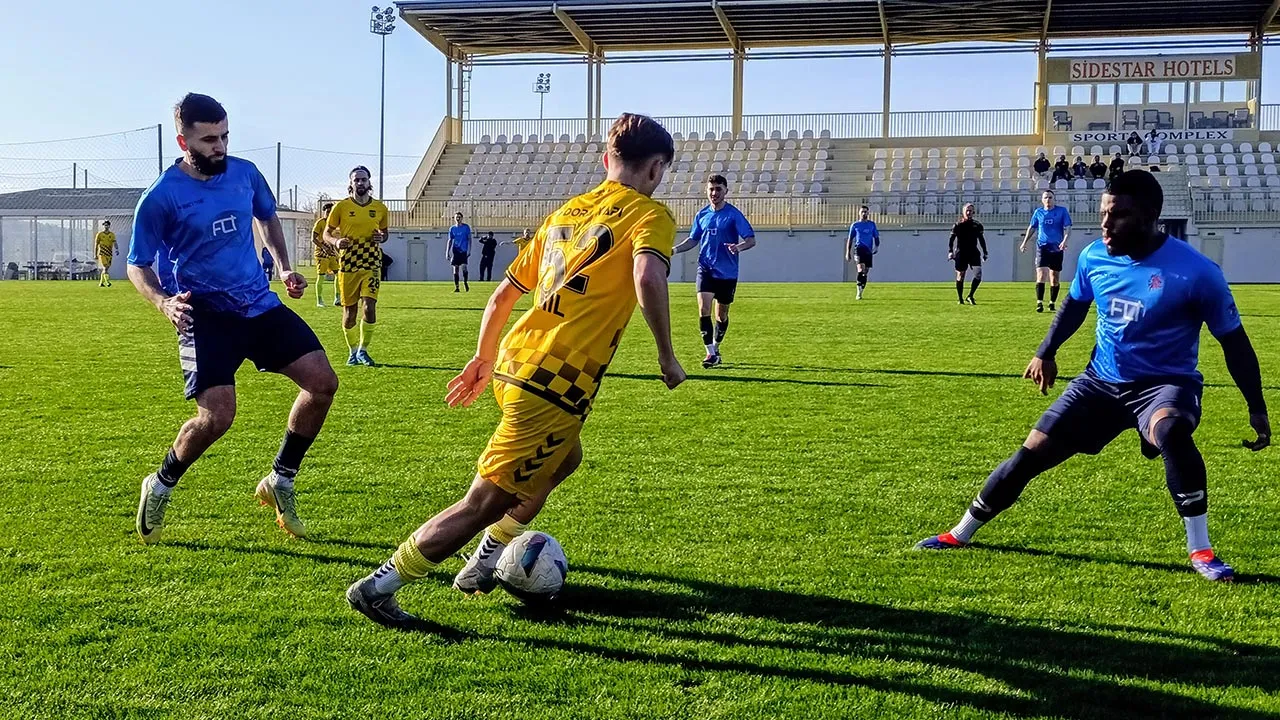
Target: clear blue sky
x=306 y=74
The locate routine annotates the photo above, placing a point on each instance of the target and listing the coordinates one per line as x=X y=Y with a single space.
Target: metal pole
x=382 y=119
x=159 y=150
x=86 y=178
x=888 y=86
x=277 y=171
x=541 y=99
x=75 y=173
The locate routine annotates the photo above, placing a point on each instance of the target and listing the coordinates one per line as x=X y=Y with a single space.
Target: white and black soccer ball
x=533 y=568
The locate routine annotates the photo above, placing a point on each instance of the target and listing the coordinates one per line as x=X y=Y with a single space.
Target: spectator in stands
x=1041 y=166
x=1079 y=169
x=1117 y=167
x=1061 y=169
x=1153 y=141
x=1135 y=143
x=1098 y=169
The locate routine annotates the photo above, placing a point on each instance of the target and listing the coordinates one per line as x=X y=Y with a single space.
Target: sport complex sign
x=1112 y=136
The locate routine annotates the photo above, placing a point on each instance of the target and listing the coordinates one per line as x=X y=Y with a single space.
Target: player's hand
x=380 y=235
x=847 y=258
x=343 y=243
x=672 y=373
x=951 y=256
x=733 y=248
x=294 y=284
x=470 y=383
x=1043 y=373
x=1022 y=247
x=984 y=257
x=178 y=311
x=1261 y=424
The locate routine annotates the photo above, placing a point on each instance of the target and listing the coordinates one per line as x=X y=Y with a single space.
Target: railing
x=865 y=125
x=1244 y=206
x=422 y=175
x=1269 y=118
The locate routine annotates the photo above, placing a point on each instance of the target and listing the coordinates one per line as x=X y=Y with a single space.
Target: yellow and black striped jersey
x=321 y=247
x=358 y=223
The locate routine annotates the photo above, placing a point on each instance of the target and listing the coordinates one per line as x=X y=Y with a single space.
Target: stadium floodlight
x=381 y=23
x=542 y=86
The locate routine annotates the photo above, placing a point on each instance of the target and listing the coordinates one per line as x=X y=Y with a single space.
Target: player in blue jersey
x=721 y=233
x=1153 y=293
x=863 y=243
x=1052 y=225
x=195 y=223
x=460 y=251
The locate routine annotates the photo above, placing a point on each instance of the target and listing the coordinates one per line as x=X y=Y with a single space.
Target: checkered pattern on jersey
x=360 y=255
x=324 y=250
x=563 y=376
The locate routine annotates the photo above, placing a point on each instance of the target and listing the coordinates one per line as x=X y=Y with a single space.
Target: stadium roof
x=54 y=200
x=491 y=27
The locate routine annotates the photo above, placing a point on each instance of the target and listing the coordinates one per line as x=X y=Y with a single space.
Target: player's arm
x=951 y=243
x=982 y=241
x=1043 y=369
x=474 y=378
x=1066 y=229
x=381 y=235
x=650 y=276
x=1242 y=363
x=875 y=233
x=294 y=283
x=1026 y=237
x=687 y=244
x=746 y=235
x=848 y=245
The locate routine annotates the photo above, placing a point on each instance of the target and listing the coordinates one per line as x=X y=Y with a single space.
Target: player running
x=325 y=255
x=459 y=251
x=104 y=248
x=721 y=233
x=863 y=243
x=1153 y=293
x=966 y=236
x=199 y=216
x=357 y=227
x=589 y=264
x=1052 y=225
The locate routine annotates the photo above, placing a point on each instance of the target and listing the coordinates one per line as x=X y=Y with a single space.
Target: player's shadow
x=717 y=377
x=1242 y=578
x=321 y=558
x=876 y=371
x=420 y=367
x=1080 y=672
x=432 y=309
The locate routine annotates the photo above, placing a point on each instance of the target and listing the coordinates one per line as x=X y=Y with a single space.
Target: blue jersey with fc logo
x=203 y=234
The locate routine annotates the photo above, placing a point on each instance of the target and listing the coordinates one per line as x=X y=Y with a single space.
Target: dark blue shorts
x=1049 y=259
x=863 y=255
x=723 y=289
x=219 y=342
x=1091 y=413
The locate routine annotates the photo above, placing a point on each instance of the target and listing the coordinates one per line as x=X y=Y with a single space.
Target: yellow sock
x=507 y=529
x=366 y=334
x=319 y=287
x=409 y=562
x=353 y=337
x=106 y=276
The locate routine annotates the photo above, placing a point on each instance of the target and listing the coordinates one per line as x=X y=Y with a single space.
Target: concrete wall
x=1253 y=255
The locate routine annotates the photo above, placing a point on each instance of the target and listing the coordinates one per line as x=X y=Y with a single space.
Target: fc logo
x=224 y=226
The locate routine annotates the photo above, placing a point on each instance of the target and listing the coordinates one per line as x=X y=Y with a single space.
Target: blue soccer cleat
x=362 y=357
x=1211 y=567
x=353 y=358
x=945 y=541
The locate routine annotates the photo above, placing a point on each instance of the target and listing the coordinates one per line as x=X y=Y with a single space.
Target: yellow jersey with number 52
x=579 y=268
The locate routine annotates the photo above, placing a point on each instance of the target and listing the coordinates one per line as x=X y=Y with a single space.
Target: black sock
x=973 y=287
x=292 y=449
x=722 y=327
x=1039 y=292
x=704 y=323
x=960 y=289
x=172 y=469
x=1053 y=293
x=862 y=280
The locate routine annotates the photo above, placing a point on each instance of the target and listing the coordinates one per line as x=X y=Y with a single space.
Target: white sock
x=283 y=481
x=386 y=580
x=711 y=349
x=159 y=489
x=1197 y=532
x=967 y=527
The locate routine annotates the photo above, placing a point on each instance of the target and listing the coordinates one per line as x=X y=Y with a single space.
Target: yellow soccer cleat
x=284 y=501
x=151 y=509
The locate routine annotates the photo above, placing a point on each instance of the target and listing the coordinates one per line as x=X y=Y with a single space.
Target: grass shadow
x=745 y=379
x=1241 y=578
x=393 y=366
x=1050 y=671
x=278 y=552
x=444 y=309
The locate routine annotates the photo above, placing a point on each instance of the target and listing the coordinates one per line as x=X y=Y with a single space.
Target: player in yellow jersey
x=357 y=228
x=104 y=247
x=521 y=241
x=326 y=256
x=588 y=265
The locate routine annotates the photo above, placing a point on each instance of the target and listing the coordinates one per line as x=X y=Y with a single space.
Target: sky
x=307 y=74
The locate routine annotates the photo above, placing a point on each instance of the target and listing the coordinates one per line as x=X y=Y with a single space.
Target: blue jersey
x=714 y=230
x=865 y=233
x=460 y=238
x=1150 y=310
x=1052 y=227
x=203 y=234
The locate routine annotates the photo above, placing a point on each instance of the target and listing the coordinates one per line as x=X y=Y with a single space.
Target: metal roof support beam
x=437 y=40
x=1268 y=17
x=888 y=71
x=1042 y=73
x=729 y=32
x=739 y=64
x=588 y=45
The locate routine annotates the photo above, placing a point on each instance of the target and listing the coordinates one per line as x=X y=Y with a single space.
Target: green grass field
x=739 y=548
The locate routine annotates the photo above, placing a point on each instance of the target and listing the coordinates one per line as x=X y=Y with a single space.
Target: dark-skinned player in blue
x=1153 y=294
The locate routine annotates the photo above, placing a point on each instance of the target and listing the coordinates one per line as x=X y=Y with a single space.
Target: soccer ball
x=532 y=568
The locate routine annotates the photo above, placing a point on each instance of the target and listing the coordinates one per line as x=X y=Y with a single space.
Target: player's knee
x=570 y=464
x=217 y=418
x=1171 y=431
x=977 y=273
x=722 y=313
x=1037 y=441
x=488 y=502
x=324 y=383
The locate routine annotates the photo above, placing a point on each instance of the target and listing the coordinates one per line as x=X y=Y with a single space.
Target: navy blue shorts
x=219 y=342
x=862 y=255
x=458 y=258
x=966 y=259
x=1050 y=259
x=1091 y=413
x=722 y=288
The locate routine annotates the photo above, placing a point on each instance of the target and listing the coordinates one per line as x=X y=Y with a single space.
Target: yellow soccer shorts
x=104 y=261
x=532 y=440
x=327 y=266
x=357 y=284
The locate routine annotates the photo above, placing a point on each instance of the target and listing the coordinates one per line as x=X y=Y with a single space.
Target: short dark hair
x=1051 y=193
x=635 y=138
x=1143 y=187
x=196 y=108
x=864 y=207
x=326 y=207
x=717 y=179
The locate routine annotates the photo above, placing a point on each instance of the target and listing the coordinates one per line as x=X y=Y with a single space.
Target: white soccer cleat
x=284 y=501
x=475 y=578
x=151 y=509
